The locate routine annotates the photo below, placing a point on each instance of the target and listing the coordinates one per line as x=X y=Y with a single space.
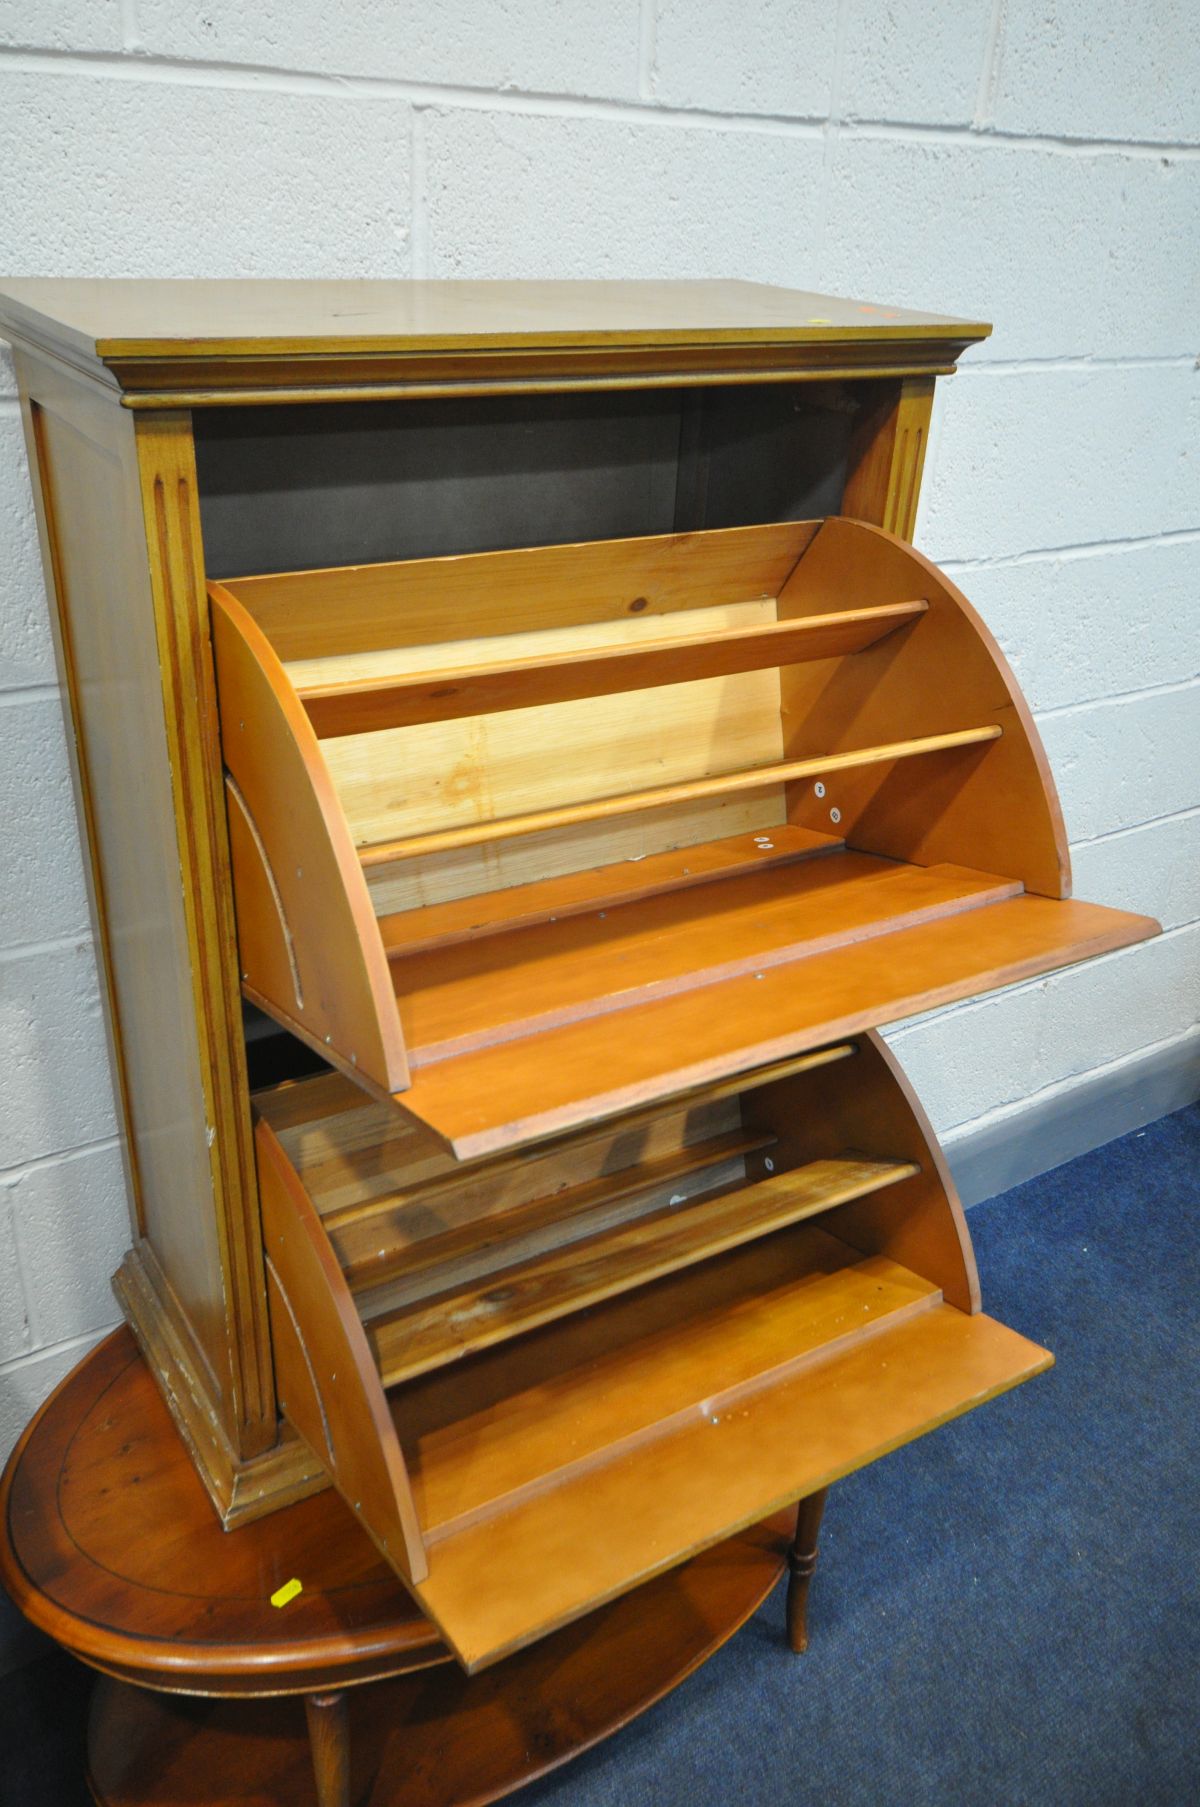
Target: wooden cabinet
x=525 y=699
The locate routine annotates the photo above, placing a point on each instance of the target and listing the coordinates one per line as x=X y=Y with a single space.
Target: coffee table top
x=111 y=1546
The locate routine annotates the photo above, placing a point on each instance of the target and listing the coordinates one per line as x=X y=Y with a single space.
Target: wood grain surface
x=111 y=1546
x=535 y=979
x=200 y=318
x=571 y=1546
x=513 y=1299
x=543 y=1084
x=365 y=705
x=313 y=617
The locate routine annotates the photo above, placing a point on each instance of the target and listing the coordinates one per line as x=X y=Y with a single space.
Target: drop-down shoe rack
x=543 y=1376
x=636 y=1198
x=517 y=912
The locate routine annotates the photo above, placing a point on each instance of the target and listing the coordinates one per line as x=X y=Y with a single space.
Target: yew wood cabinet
x=523 y=763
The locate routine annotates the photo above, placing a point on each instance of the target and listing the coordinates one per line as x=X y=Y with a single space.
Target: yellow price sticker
x=287 y=1592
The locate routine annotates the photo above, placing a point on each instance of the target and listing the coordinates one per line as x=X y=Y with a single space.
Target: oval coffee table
x=111 y=1546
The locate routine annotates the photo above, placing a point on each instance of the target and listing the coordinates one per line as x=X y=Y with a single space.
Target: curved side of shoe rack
x=307 y=936
x=997 y=811
x=326 y=1381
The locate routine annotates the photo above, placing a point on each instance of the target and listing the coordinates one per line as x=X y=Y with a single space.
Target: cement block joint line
x=287 y=80
x=48 y=1351
x=58 y=1158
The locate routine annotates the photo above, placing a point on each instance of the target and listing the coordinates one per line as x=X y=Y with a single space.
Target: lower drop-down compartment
x=786 y=1367
x=541 y=1377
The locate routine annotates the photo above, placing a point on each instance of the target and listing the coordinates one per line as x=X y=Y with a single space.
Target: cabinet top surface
x=199 y=318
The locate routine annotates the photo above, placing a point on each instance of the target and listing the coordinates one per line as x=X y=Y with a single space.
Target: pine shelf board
x=522 y=1090
x=365 y=705
x=458 y=999
x=399 y=1271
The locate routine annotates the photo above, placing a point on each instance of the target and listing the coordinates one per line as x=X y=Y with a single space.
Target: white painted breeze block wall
x=1031 y=162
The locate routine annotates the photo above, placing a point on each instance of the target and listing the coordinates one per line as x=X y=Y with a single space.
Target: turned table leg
x=801 y=1561
x=329 y=1736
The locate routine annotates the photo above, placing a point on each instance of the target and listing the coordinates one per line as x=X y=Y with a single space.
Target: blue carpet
x=1005 y=1613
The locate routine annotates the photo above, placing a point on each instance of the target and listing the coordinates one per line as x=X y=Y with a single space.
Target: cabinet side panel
x=171 y=526
x=95 y=544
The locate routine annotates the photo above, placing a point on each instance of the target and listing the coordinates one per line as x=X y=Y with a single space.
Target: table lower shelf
x=438 y=1738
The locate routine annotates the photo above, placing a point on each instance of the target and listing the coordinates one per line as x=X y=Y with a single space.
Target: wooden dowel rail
x=428 y=1334
x=366 y=705
x=433 y=1264
x=599 y=809
x=692 y=1159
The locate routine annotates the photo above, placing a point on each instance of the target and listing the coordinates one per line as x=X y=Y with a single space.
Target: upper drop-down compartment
x=525 y=838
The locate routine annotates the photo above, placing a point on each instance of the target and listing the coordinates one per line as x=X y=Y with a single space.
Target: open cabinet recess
x=527 y=696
